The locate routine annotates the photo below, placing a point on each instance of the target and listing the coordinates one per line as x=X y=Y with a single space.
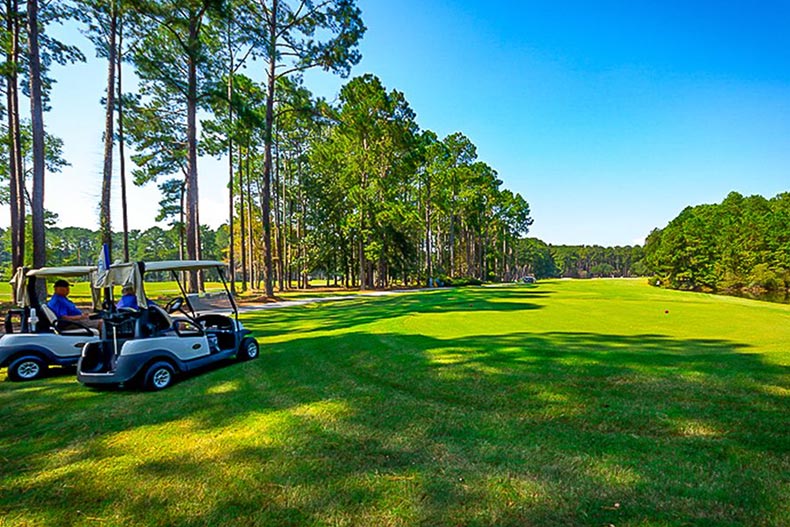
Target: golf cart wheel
x=159 y=376
x=248 y=349
x=27 y=368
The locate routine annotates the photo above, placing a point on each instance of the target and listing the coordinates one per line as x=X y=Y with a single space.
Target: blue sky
x=608 y=117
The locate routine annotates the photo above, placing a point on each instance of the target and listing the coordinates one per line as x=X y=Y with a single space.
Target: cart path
x=304 y=301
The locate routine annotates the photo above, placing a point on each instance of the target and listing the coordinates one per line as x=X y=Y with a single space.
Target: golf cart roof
x=73 y=270
x=131 y=274
x=20 y=281
x=128 y=273
x=182 y=265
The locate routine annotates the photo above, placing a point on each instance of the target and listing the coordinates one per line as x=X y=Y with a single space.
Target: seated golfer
x=64 y=308
x=128 y=298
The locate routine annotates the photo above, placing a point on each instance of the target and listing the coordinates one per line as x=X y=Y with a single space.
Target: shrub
x=463 y=281
x=763 y=277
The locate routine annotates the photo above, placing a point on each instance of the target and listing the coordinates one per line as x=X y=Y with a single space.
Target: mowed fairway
x=565 y=403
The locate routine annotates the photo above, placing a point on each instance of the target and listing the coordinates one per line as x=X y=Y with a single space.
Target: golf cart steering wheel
x=174 y=305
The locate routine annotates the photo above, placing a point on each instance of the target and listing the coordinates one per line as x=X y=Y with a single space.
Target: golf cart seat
x=63 y=327
x=153 y=322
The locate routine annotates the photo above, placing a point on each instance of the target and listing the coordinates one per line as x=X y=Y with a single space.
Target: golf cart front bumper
x=109 y=378
x=121 y=375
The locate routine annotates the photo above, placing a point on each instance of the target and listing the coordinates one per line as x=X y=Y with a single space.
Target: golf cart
x=149 y=344
x=34 y=337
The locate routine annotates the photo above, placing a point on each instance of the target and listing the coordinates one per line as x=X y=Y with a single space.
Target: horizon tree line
x=531 y=256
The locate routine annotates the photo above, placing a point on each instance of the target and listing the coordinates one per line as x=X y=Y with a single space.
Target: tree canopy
x=742 y=243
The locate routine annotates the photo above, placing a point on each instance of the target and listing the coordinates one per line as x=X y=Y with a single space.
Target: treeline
x=579 y=261
x=741 y=244
x=527 y=256
x=80 y=246
x=354 y=189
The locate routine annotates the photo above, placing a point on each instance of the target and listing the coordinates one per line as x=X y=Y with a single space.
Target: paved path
x=304 y=301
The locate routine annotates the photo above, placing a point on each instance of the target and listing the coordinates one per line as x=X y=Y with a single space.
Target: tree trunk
x=242 y=224
x=267 y=164
x=277 y=199
x=231 y=248
x=428 y=233
x=181 y=247
x=37 y=121
x=452 y=247
x=507 y=260
x=199 y=255
x=362 y=270
x=13 y=172
x=281 y=201
x=192 y=227
x=300 y=226
x=121 y=153
x=16 y=172
x=105 y=219
x=250 y=232
x=483 y=258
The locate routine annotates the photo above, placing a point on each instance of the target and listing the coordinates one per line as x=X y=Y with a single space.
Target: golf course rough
x=564 y=403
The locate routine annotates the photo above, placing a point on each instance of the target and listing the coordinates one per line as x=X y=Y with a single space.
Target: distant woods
x=739 y=245
x=542 y=260
x=530 y=256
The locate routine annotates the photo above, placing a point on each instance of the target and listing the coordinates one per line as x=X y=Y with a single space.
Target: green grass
x=305 y=294
x=567 y=403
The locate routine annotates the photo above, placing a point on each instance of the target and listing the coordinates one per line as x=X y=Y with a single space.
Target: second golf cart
x=34 y=337
x=151 y=345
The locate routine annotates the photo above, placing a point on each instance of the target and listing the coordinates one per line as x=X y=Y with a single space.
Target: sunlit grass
x=569 y=403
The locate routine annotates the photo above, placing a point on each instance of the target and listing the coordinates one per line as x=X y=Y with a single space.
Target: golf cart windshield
x=209 y=301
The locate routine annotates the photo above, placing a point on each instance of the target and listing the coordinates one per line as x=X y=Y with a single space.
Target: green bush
x=730 y=282
x=461 y=281
x=763 y=277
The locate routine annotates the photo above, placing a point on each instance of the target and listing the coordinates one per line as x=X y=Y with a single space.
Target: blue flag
x=104 y=259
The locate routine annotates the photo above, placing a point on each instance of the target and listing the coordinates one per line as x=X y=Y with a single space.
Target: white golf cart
x=150 y=344
x=34 y=337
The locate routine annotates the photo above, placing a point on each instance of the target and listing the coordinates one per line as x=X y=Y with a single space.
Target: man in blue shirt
x=129 y=299
x=64 y=308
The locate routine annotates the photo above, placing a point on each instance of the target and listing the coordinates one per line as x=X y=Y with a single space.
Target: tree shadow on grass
x=364 y=310
x=392 y=429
